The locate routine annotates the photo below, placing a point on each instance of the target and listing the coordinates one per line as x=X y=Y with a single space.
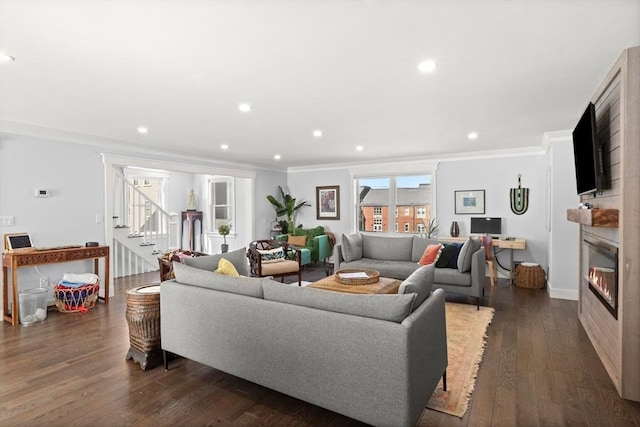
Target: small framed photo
x=14 y=241
x=469 y=202
x=328 y=202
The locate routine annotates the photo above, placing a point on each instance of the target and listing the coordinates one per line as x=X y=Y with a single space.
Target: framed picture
x=13 y=241
x=328 y=202
x=469 y=202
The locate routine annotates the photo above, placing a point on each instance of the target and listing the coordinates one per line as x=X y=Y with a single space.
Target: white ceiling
x=94 y=71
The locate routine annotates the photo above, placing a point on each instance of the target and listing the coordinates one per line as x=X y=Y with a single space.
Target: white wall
x=563 y=276
x=74 y=176
x=497 y=176
x=302 y=186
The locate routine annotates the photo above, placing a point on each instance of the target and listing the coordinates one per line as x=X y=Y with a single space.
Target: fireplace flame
x=603 y=279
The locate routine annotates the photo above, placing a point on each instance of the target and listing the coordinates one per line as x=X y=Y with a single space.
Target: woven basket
x=372 y=276
x=529 y=275
x=73 y=300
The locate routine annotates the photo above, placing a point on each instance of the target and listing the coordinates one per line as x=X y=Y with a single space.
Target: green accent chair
x=317 y=242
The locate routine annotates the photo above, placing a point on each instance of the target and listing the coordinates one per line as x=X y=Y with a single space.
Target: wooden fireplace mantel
x=594 y=217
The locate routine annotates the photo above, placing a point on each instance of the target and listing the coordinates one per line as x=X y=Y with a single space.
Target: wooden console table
x=16 y=259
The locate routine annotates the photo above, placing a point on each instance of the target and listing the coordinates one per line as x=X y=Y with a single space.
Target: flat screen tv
x=486 y=225
x=589 y=155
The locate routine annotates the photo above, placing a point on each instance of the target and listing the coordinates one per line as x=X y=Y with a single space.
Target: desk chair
x=487 y=242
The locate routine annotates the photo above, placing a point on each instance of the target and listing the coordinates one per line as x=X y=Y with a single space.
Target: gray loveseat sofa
x=398 y=257
x=374 y=358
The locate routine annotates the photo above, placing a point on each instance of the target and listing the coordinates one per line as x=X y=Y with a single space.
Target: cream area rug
x=466 y=338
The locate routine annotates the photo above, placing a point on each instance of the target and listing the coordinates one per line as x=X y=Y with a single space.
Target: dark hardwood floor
x=539 y=369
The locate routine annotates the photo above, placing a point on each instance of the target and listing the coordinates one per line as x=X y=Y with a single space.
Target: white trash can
x=33 y=305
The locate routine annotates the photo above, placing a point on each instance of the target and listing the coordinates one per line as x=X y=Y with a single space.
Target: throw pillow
x=269 y=256
x=449 y=256
x=431 y=254
x=297 y=240
x=351 y=247
x=227 y=268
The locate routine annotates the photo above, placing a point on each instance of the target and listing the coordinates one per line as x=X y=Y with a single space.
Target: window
x=407 y=195
x=420 y=228
x=221 y=201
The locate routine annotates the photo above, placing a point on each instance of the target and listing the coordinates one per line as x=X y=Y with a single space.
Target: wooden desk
x=16 y=259
x=517 y=243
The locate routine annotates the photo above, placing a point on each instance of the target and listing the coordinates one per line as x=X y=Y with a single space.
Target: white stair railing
x=145 y=220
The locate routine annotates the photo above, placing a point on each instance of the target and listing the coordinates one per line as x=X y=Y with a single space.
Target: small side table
x=143 y=318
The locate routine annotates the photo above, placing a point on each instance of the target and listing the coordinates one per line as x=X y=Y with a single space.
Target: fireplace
x=601 y=272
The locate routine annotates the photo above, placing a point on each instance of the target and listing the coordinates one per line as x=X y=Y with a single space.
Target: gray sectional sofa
x=374 y=358
x=398 y=257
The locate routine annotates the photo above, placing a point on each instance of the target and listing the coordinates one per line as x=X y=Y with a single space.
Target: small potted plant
x=224 y=230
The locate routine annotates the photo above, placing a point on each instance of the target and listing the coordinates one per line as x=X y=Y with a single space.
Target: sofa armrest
x=321 y=247
x=337 y=256
x=478 y=268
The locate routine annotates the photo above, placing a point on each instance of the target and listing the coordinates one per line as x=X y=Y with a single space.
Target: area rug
x=466 y=339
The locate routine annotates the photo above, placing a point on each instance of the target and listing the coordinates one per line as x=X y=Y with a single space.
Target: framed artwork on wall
x=328 y=202
x=469 y=202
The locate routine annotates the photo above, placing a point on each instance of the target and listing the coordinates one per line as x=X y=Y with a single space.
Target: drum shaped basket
x=72 y=300
x=529 y=275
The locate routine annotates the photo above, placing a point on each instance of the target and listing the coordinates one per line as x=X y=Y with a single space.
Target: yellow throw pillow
x=297 y=240
x=227 y=268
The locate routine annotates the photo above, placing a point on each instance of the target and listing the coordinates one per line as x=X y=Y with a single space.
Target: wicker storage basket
x=73 y=300
x=529 y=275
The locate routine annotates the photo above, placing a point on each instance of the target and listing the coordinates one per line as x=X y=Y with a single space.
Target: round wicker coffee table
x=143 y=318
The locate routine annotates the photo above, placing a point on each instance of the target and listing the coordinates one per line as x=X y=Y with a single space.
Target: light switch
x=7 y=221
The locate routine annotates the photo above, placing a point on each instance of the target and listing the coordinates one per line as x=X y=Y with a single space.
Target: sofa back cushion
x=210 y=262
x=466 y=253
x=351 y=247
x=420 y=283
x=387 y=248
x=249 y=286
x=393 y=308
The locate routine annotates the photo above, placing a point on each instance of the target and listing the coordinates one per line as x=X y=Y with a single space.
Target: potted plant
x=432 y=228
x=224 y=230
x=287 y=207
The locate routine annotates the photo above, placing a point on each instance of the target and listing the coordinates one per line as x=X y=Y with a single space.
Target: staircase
x=142 y=230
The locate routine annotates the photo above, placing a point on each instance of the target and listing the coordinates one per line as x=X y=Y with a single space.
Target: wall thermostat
x=42 y=192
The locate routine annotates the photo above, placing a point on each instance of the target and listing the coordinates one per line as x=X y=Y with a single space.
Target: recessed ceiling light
x=317 y=133
x=143 y=130
x=244 y=107
x=472 y=135
x=6 y=58
x=427 y=66
x=359 y=148
x=277 y=157
x=224 y=147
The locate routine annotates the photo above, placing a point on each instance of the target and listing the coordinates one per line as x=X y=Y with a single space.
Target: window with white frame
x=420 y=228
x=221 y=202
x=381 y=196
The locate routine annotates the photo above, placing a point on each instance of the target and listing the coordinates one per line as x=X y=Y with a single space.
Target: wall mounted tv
x=486 y=225
x=590 y=155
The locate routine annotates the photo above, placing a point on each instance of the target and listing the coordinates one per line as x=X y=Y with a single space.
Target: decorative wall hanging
x=519 y=198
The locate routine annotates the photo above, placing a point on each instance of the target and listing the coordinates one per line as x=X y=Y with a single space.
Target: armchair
x=317 y=242
x=274 y=258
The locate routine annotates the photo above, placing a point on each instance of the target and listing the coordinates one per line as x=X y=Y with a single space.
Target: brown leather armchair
x=266 y=259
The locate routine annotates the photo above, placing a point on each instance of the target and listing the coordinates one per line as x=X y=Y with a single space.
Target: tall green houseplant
x=287 y=206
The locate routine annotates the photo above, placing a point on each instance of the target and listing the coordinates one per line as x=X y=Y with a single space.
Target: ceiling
x=95 y=71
